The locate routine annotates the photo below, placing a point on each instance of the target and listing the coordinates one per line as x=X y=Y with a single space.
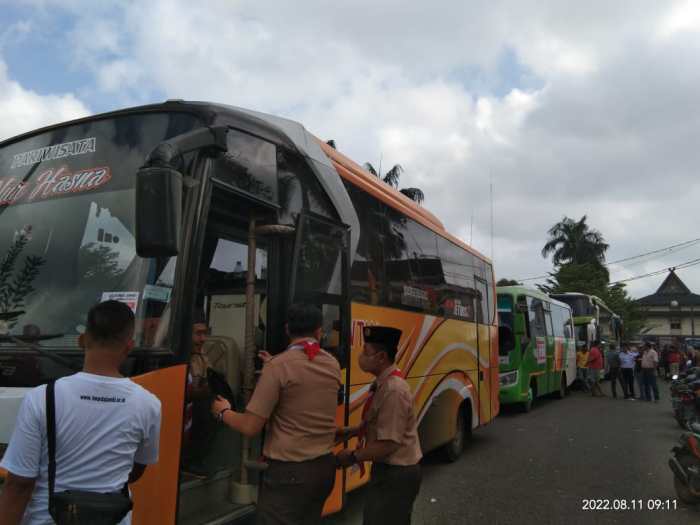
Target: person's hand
x=264 y=356
x=218 y=405
x=345 y=458
x=343 y=433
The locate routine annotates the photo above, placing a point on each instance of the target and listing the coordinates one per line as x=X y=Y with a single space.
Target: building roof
x=672 y=289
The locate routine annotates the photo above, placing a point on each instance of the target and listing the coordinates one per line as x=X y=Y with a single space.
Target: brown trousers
x=390 y=494
x=293 y=493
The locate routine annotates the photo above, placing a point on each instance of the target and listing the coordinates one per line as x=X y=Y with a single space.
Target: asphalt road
x=540 y=467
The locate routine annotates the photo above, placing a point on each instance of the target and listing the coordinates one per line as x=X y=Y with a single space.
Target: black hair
x=199 y=317
x=110 y=322
x=390 y=352
x=303 y=319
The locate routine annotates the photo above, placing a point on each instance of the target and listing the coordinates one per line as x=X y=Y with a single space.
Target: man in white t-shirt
x=107 y=427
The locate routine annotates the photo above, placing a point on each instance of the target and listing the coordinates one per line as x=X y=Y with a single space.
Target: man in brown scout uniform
x=388 y=434
x=297 y=397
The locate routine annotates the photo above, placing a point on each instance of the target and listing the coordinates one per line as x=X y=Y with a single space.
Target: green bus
x=593 y=320
x=537 y=352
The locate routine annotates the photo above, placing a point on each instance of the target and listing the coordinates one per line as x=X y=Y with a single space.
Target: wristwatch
x=220 y=417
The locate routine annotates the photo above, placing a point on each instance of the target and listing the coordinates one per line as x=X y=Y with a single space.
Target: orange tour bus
x=186 y=208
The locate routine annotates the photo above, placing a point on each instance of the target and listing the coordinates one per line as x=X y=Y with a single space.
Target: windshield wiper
x=27 y=340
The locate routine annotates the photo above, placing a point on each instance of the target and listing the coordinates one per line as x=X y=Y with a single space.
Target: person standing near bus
x=388 y=434
x=107 y=426
x=582 y=367
x=595 y=366
x=674 y=360
x=200 y=426
x=616 y=372
x=297 y=396
x=650 y=360
x=627 y=360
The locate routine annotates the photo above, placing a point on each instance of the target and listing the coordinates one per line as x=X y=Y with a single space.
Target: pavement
x=542 y=467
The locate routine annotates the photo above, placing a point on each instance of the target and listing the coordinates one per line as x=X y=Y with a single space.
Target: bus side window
x=522 y=310
x=537 y=323
x=549 y=324
x=568 y=324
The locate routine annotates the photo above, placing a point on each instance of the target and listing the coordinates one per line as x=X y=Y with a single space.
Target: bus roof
x=353 y=172
x=290 y=134
x=596 y=300
x=532 y=292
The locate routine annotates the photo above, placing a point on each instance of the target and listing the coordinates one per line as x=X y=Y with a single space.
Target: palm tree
x=574 y=242
x=392 y=177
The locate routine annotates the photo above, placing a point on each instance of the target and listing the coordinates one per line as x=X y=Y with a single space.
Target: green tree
x=588 y=278
x=575 y=242
x=578 y=254
x=392 y=178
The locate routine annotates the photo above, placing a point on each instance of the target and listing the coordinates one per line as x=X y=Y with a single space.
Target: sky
x=555 y=108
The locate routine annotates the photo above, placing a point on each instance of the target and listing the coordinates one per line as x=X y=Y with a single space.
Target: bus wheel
x=453 y=449
x=561 y=393
x=527 y=405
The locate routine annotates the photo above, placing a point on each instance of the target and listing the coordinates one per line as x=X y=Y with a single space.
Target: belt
x=303 y=462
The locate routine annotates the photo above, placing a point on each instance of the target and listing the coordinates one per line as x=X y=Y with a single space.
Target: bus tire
x=526 y=406
x=453 y=449
x=561 y=393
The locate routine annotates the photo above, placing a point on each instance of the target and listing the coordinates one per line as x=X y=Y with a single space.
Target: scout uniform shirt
x=391 y=418
x=298 y=395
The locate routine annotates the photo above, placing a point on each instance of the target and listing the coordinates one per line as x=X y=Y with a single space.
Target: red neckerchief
x=362 y=434
x=311 y=348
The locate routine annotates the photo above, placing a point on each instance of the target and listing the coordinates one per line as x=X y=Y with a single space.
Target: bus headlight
x=508 y=378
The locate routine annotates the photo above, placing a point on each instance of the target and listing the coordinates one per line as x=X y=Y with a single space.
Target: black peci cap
x=383 y=335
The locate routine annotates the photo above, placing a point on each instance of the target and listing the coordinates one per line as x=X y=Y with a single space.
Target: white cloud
x=684 y=16
x=23 y=110
x=571 y=108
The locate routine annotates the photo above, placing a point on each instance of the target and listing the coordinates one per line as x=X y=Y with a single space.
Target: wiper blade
x=27 y=340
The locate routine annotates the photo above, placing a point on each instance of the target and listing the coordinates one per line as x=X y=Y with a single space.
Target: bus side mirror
x=158 y=220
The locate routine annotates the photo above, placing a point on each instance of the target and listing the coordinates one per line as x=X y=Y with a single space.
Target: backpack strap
x=51 y=434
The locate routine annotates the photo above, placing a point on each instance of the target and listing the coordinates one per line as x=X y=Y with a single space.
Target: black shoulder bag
x=73 y=507
x=220 y=387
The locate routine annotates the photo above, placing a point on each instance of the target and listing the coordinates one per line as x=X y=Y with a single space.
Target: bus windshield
x=582 y=333
x=581 y=305
x=67 y=228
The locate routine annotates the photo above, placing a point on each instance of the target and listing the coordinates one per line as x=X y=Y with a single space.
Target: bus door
x=321 y=276
x=551 y=382
x=238 y=270
x=538 y=359
x=483 y=335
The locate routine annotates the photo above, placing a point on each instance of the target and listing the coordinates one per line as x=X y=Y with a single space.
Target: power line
x=680 y=245
x=681 y=266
